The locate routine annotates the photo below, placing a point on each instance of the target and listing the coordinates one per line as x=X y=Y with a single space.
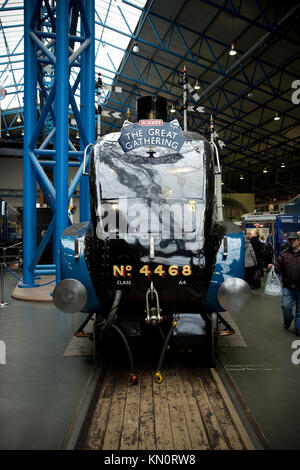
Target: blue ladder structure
x=50 y=40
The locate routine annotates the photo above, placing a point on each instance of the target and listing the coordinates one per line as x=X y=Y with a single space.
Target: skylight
x=12 y=52
x=110 y=46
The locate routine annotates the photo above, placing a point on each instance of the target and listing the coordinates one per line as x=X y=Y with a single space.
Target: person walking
x=258 y=249
x=269 y=249
x=288 y=263
x=250 y=262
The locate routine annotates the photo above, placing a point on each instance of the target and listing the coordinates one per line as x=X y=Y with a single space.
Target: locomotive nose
x=234 y=294
x=70 y=296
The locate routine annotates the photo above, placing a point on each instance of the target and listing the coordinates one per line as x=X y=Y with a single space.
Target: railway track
x=191 y=409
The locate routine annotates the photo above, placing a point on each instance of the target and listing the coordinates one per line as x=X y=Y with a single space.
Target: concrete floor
x=264 y=373
x=40 y=389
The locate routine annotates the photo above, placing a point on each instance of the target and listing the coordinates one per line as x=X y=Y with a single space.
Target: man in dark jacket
x=258 y=248
x=288 y=262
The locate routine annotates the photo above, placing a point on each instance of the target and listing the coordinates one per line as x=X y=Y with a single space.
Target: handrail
x=84 y=159
x=217 y=156
x=11 y=246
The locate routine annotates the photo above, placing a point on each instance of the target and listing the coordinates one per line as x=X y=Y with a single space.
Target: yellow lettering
x=145 y=270
x=159 y=270
x=187 y=270
x=119 y=270
x=173 y=270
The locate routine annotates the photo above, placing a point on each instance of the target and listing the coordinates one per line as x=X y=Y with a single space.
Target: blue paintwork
x=29 y=174
x=230 y=266
x=77 y=268
x=62 y=103
x=87 y=109
x=57 y=100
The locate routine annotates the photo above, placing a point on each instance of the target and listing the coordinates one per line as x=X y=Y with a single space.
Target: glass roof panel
x=113 y=13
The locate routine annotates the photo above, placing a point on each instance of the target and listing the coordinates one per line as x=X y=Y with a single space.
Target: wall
x=236 y=204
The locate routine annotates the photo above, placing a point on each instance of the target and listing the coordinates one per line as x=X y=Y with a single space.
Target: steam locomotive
x=153 y=261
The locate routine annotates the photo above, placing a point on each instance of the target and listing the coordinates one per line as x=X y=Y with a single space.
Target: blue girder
x=58 y=95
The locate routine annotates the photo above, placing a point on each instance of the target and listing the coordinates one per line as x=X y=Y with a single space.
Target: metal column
x=62 y=104
x=29 y=174
x=87 y=96
x=50 y=42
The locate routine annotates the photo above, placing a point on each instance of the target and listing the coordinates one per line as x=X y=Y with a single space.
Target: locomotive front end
x=152 y=212
x=152 y=252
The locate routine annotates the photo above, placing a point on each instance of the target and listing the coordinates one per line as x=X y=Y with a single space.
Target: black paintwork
x=164 y=178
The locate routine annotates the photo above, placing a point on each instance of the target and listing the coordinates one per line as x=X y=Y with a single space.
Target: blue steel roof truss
x=244 y=122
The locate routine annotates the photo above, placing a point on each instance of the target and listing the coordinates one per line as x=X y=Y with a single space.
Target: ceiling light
x=232 y=50
x=77 y=136
x=250 y=93
x=276 y=117
x=282 y=165
x=22 y=133
x=241 y=177
x=173 y=110
x=135 y=47
x=19 y=118
x=7 y=134
x=197 y=86
x=265 y=170
x=222 y=182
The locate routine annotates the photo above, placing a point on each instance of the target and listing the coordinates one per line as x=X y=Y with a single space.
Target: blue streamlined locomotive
x=153 y=258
